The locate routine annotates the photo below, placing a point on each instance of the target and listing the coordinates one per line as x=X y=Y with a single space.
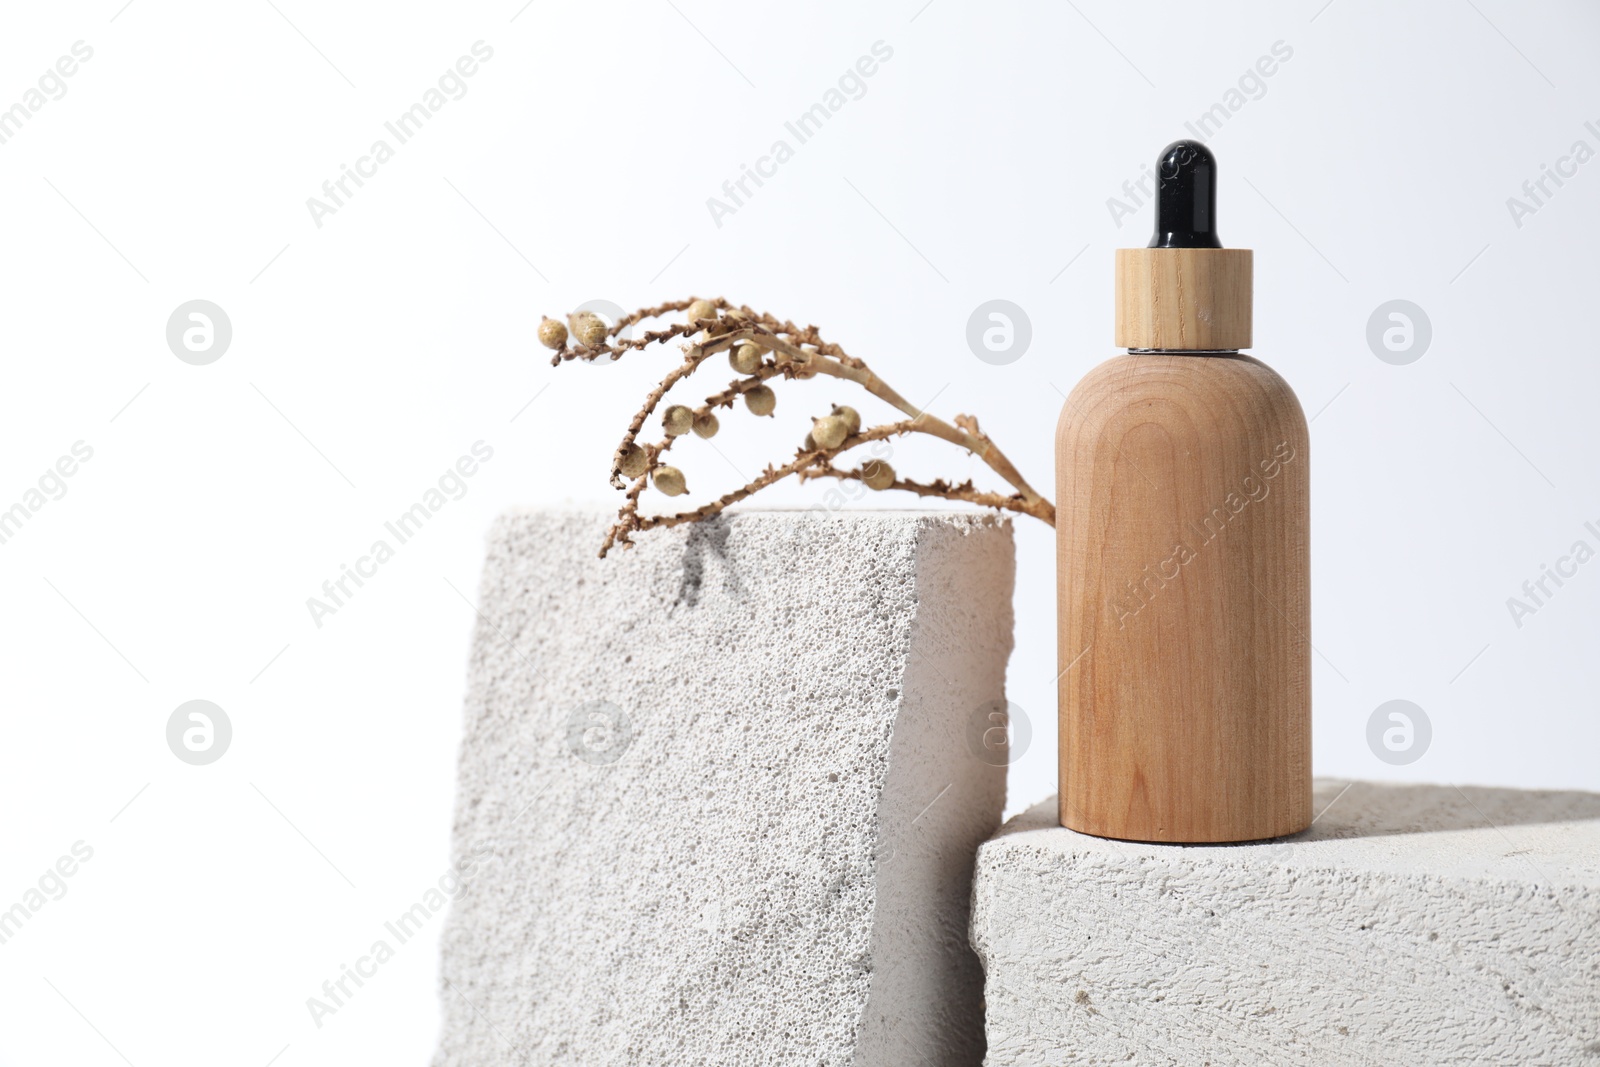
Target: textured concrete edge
x=925 y=1002
x=1327 y=846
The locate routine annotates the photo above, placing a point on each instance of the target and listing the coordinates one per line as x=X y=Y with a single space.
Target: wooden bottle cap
x=1183 y=299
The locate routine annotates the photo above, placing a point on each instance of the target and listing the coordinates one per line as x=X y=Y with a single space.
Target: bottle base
x=1152 y=834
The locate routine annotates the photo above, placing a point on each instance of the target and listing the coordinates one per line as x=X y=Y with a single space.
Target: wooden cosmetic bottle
x=1183 y=562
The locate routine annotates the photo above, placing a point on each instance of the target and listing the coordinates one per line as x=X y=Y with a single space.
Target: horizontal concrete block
x=719 y=794
x=1410 y=925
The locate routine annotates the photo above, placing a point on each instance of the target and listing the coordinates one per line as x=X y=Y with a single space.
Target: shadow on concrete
x=1345 y=809
x=1380 y=809
x=707 y=537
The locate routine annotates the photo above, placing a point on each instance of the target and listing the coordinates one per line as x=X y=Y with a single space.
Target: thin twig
x=938 y=487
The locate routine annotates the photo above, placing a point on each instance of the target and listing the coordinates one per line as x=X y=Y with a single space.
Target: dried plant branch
x=762 y=348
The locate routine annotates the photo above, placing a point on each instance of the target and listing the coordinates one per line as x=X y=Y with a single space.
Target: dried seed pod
x=589 y=328
x=829 y=431
x=745 y=358
x=552 y=333
x=851 y=417
x=760 y=400
x=877 y=474
x=633 y=461
x=700 y=309
x=706 y=425
x=810 y=444
x=677 y=420
x=669 y=480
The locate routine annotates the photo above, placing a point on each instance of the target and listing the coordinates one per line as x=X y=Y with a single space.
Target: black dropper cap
x=1186 y=197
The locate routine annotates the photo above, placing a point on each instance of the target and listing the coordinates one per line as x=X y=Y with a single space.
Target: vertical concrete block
x=720 y=794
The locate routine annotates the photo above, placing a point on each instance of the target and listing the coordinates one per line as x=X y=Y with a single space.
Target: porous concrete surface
x=769 y=860
x=1411 y=925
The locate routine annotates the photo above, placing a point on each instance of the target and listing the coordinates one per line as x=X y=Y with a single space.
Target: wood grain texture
x=1184 y=298
x=1184 y=601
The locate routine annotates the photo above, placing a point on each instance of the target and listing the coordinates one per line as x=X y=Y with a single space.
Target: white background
x=369 y=353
